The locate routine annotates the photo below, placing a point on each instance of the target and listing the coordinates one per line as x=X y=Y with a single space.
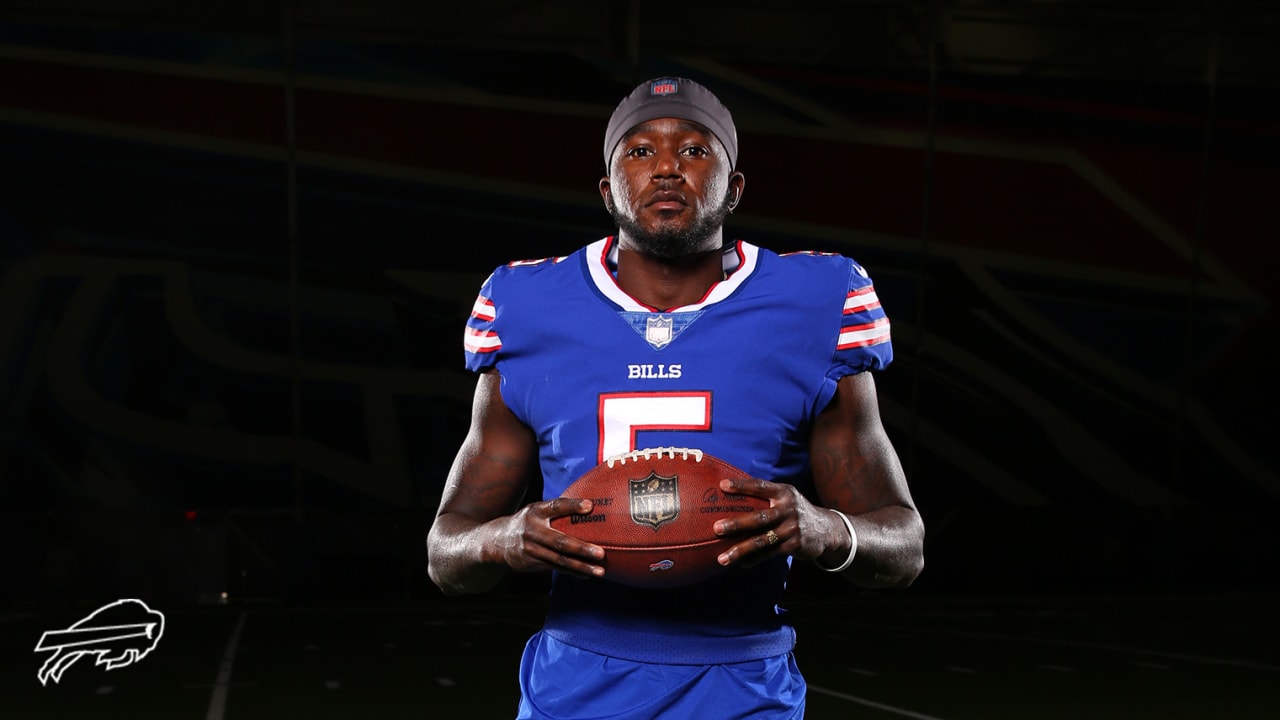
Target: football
x=653 y=514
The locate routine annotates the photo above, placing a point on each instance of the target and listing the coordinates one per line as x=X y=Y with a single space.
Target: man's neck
x=665 y=284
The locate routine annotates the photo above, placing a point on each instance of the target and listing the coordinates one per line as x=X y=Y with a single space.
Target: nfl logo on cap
x=665 y=86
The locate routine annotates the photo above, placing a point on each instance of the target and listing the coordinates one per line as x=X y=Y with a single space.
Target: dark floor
x=868 y=655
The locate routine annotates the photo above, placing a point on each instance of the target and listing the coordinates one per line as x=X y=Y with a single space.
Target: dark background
x=239 y=240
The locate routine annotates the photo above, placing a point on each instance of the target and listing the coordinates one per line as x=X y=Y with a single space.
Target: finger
x=751 y=486
x=567 y=545
x=574 y=567
x=577 y=568
x=766 y=546
x=566 y=553
x=565 y=506
x=746 y=523
x=754 y=549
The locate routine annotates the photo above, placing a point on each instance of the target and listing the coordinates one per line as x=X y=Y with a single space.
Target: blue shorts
x=562 y=682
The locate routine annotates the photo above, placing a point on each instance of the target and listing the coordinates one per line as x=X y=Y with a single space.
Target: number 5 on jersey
x=622 y=415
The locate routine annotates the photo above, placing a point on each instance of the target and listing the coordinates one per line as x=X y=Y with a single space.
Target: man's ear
x=737 y=183
x=606 y=190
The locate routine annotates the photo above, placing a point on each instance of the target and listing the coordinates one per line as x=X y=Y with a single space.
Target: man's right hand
x=527 y=542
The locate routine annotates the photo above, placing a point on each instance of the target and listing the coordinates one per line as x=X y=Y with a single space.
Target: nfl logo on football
x=655 y=500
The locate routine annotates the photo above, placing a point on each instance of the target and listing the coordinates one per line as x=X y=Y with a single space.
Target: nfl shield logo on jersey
x=655 y=500
x=658 y=331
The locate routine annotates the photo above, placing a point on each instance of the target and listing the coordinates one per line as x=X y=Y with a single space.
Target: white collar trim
x=739 y=261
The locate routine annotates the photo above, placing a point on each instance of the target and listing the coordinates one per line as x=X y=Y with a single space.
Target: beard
x=669 y=242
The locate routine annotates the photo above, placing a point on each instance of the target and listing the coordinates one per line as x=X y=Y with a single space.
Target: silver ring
x=772 y=537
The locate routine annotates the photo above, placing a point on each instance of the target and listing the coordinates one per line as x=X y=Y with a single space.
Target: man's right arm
x=478 y=532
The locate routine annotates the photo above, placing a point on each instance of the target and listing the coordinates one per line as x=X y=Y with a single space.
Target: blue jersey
x=741 y=375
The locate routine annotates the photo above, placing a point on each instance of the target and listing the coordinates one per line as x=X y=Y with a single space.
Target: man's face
x=669 y=189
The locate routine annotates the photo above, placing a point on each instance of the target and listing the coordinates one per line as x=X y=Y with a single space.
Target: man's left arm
x=857 y=472
x=858 y=477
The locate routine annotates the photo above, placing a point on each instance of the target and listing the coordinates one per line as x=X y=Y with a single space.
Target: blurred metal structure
x=1177 y=41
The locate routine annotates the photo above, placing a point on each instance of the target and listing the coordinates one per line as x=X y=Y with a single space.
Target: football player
x=666 y=335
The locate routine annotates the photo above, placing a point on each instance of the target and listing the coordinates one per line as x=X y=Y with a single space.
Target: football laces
x=648 y=453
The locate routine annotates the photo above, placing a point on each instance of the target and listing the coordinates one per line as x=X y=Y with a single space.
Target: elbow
x=911 y=561
x=447 y=585
x=434 y=573
x=434 y=569
x=911 y=572
x=916 y=561
x=451 y=572
x=448 y=589
x=898 y=573
x=898 y=576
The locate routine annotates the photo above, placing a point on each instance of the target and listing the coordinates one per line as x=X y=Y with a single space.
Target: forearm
x=890 y=547
x=460 y=558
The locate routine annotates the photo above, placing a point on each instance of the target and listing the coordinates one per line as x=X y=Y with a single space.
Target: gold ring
x=772 y=537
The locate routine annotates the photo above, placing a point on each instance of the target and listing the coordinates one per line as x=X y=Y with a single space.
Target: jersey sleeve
x=864 y=342
x=481 y=343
